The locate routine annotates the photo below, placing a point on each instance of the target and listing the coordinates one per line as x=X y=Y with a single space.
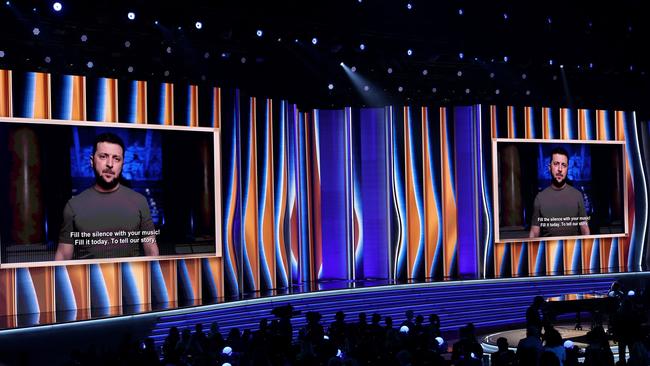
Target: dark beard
x=104 y=184
x=557 y=184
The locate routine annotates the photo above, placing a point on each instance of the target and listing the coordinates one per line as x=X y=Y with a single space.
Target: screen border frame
x=495 y=189
x=216 y=138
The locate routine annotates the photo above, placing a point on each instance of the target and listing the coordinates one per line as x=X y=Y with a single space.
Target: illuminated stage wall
x=308 y=197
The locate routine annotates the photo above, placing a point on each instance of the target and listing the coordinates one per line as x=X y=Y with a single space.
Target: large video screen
x=559 y=189
x=83 y=192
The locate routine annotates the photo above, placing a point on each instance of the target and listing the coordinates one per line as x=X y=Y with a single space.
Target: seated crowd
x=378 y=341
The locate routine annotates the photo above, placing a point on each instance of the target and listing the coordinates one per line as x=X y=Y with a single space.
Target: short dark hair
x=110 y=138
x=558 y=150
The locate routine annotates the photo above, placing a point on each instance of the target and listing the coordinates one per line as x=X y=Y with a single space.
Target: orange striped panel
x=8 y=294
x=194 y=272
x=449 y=209
x=216 y=113
x=582 y=124
x=569 y=248
x=605 y=250
x=251 y=231
x=493 y=121
x=267 y=218
x=314 y=210
x=499 y=253
x=515 y=255
x=624 y=242
x=546 y=123
x=432 y=221
x=194 y=106
x=113 y=279
x=42 y=108
x=6 y=109
x=80 y=282
x=564 y=123
x=533 y=248
x=141 y=102
x=511 y=122
x=619 y=126
x=79 y=98
x=168 y=119
x=43 y=279
x=110 y=111
x=551 y=253
x=528 y=121
x=601 y=132
x=169 y=272
x=587 y=247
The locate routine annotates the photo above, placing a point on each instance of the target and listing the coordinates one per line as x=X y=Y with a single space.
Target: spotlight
x=243 y=60
x=330 y=86
x=425 y=72
x=130 y=15
x=362 y=47
x=2 y=54
x=48 y=59
x=527 y=92
x=259 y=33
x=390 y=70
x=206 y=55
x=166 y=73
x=409 y=6
x=409 y=52
x=524 y=76
x=561 y=66
x=90 y=64
x=84 y=38
x=57 y=6
x=631 y=293
x=353 y=69
x=8 y=3
x=127 y=44
x=314 y=40
x=434 y=90
x=505 y=16
x=155 y=22
x=366 y=88
x=497 y=92
x=550 y=62
x=404 y=329
x=568 y=344
x=461 y=55
x=168 y=50
x=227 y=350
x=549 y=20
x=36 y=31
x=459 y=73
x=401 y=89
x=342 y=64
x=505 y=58
x=491 y=75
x=467 y=91
x=198 y=25
x=130 y=69
x=591 y=65
x=460 y=11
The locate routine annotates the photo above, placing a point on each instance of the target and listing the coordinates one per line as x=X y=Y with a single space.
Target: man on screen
x=108 y=219
x=559 y=210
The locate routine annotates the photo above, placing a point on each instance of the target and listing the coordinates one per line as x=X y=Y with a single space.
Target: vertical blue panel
x=65 y=300
x=99 y=300
x=26 y=300
x=185 y=293
x=209 y=280
x=465 y=142
x=329 y=127
x=23 y=89
x=130 y=296
x=374 y=189
x=62 y=97
x=96 y=98
x=159 y=293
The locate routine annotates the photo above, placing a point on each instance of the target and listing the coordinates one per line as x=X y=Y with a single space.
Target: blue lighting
x=505 y=58
x=259 y=33
x=314 y=40
x=362 y=47
x=409 y=52
x=461 y=55
x=57 y=6
x=198 y=25
x=130 y=15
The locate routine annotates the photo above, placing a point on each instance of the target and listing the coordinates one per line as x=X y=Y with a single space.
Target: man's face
x=107 y=163
x=559 y=167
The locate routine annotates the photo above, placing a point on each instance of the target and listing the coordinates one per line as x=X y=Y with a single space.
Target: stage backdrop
x=308 y=197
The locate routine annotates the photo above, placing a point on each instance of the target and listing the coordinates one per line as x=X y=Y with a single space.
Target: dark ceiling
x=600 y=46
